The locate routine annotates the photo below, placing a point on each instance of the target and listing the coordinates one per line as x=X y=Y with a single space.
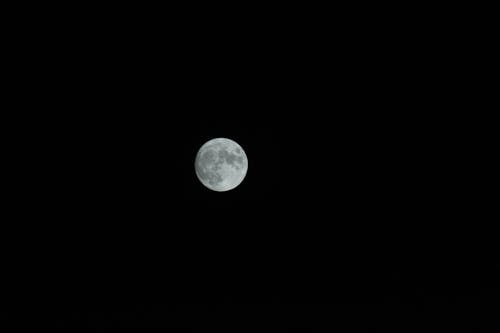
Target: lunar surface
x=221 y=164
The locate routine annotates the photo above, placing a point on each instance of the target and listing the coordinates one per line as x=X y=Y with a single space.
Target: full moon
x=221 y=164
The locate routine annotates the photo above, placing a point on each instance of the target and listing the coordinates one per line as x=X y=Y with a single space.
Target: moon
x=221 y=164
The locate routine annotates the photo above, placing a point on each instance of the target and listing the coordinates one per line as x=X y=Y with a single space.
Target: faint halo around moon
x=221 y=164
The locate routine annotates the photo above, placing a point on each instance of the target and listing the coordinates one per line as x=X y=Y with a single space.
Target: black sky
x=346 y=200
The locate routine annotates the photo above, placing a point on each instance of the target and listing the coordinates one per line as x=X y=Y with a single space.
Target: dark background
x=348 y=208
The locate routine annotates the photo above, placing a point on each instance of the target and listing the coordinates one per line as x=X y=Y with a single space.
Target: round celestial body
x=221 y=164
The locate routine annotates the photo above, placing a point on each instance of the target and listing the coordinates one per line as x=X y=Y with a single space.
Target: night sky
x=345 y=211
